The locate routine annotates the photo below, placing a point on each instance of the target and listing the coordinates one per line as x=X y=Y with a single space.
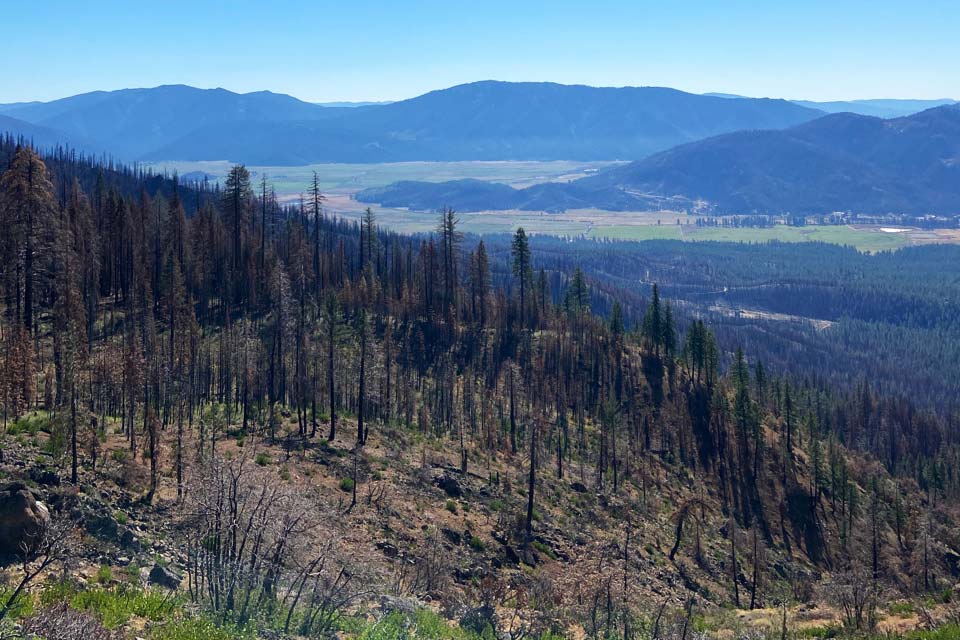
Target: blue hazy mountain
x=878 y=107
x=493 y=121
x=478 y=121
x=131 y=122
x=881 y=108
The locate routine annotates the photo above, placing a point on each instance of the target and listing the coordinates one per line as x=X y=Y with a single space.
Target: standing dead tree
x=253 y=550
x=680 y=518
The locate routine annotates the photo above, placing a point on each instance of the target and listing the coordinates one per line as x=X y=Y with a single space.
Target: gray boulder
x=23 y=521
x=405 y=606
x=164 y=577
x=450 y=485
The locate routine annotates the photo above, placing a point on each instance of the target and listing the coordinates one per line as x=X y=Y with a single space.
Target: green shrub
x=114 y=607
x=24 y=605
x=544 y=549
x=262 y=459
x=198 y=629
x=57 y=592
x=56 y=444
x=424 y=625
x=346 y=484
x=119 y=455
x=132 y=572
x=476 y=543
x=104 y=574
x=902 y=609
x=451 y=506
x=30 y=424
x=949 y=631
x=120 y=517
x=824 y=632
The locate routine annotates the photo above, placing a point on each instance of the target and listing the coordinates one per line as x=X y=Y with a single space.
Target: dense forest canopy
x=890 y=317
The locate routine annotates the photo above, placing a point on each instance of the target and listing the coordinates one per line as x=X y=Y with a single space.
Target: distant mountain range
x=478 y=121
x=732 y=153
x=841 y=161
x=881 y=108
x=130 y=123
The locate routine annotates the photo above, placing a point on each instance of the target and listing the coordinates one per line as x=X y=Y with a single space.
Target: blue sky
x=360 y=50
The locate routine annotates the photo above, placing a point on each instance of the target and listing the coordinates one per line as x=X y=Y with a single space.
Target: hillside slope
x=837 y=162
x=41 y=136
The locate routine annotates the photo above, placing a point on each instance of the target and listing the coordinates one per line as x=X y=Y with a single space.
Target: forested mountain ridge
x=476 y=121
x=840 y=162
x=130 y=123
x=303 y=414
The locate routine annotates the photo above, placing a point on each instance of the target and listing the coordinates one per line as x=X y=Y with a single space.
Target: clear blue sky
x=360 y=50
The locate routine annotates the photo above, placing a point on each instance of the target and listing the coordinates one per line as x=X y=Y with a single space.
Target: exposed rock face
x=450 y=485
x=23 y=521
x=406 y=606
x=160 y=575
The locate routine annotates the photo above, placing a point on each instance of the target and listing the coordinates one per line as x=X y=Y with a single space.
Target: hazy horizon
x=349 y=100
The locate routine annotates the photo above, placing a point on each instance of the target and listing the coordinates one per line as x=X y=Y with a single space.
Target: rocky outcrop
x=164 y=577
x=23 y=521
x=450 y=485
x=406 y=606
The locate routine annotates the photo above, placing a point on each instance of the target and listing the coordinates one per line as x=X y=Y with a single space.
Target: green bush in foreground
x=197 y=629
x=114 y=607
x=23 y=607
x=425 y=625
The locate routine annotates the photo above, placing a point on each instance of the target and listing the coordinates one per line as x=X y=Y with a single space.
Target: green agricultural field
x=637 y=231
x=866 y=239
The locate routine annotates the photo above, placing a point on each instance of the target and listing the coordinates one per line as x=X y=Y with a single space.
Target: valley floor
x=341 y=181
